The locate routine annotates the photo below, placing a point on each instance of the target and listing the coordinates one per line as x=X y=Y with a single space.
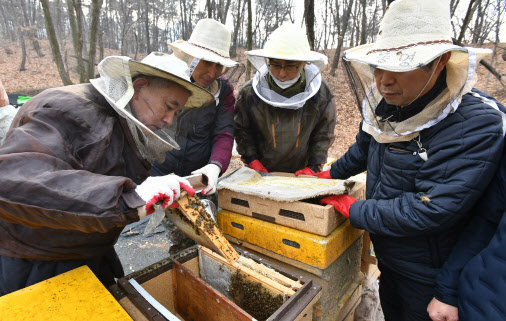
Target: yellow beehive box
x=315 y=250
x=74 y=295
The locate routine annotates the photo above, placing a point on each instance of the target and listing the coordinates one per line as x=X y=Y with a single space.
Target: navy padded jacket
x=474 y=277
x=416 y=209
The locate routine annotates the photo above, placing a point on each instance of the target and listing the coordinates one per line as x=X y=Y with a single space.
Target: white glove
x=212 y=172
x=164 y=189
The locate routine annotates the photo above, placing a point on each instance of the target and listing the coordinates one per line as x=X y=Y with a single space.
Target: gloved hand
x=163 y=189
x=305 y=171
x=212 y=172
x=341 y=203
x=256 y=165
x=324 y=174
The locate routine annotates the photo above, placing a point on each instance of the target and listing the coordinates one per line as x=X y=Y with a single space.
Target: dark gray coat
x=285 y=140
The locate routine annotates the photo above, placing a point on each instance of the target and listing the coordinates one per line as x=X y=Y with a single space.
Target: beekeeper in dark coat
x=285 y=116
x=74 y=166
x=430 y=144
x=206 y=135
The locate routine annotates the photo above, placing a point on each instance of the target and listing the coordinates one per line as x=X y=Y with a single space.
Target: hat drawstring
x=431 y=75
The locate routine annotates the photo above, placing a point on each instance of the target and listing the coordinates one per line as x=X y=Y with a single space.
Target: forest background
x=54 y=43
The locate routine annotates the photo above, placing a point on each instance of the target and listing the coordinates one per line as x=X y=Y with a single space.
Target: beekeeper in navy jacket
x=430 y=144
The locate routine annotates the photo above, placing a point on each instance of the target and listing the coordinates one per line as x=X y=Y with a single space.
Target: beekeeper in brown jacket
x=74 y=166
x=285 y=116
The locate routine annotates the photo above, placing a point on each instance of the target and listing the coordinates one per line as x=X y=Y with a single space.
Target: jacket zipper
x=298 y=133
x=273 y=134
x=298 y=127
x=378 y=180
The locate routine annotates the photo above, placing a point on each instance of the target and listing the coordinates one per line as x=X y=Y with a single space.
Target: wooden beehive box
x=181 y=286
x=304 y=215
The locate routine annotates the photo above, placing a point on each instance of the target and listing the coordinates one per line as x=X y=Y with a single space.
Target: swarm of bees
x=253 y=298
x=204 y=220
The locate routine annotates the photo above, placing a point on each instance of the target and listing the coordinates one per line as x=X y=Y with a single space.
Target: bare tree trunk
x=363 y=28
x=36 y=47
x=250 y=39
x=11 y=32
x=209 y=9
x=496 y=43
x=51 y=34
x=136 y=46
x=325 y=18
x=185 y=33
x=146 y=25
x=21 y=23
x=453 y=6
x=25 y=14
x=80 y=18
x=233 y=51
x=29 y=32
x=101 y=43
x=154 y=38
x=224 y=14
x=95 y=18
x=467 y=19
x=309 y=17
x=76 y=40
x=344 y=26
x=23 y=49
x=477 y=25
x=356 y=25
x=126 y=11
x=384 y=5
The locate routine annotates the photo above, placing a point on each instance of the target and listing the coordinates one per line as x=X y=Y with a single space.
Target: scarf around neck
x=291 y=91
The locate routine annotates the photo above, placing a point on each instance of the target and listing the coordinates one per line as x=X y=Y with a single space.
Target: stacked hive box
x=310 y=239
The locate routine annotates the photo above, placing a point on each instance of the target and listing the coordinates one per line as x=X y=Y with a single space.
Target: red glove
x=305 y=171
x=164 y=189
x=188 y=190
x=165 y=199
x=325 y=174
x=256 y=165
x=341 y=203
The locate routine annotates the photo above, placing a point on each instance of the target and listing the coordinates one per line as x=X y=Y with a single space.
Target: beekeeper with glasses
x=285 y=116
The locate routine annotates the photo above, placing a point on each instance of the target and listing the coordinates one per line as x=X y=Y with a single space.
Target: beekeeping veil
x=412 y=34
x=115 y=84
x=288 y=42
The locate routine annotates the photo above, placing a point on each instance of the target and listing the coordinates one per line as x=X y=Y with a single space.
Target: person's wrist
x=141 y=212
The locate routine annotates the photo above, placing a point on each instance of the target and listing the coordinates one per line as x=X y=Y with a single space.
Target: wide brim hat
x=210 y=40
x=169 y=67
x=412 y=34
x=115 y=84
x=288 y=42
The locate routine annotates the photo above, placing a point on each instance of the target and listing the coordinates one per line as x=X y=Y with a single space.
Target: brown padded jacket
x=68 y=174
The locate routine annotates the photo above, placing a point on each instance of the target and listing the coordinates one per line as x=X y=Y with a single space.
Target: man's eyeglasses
x=287 y=68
